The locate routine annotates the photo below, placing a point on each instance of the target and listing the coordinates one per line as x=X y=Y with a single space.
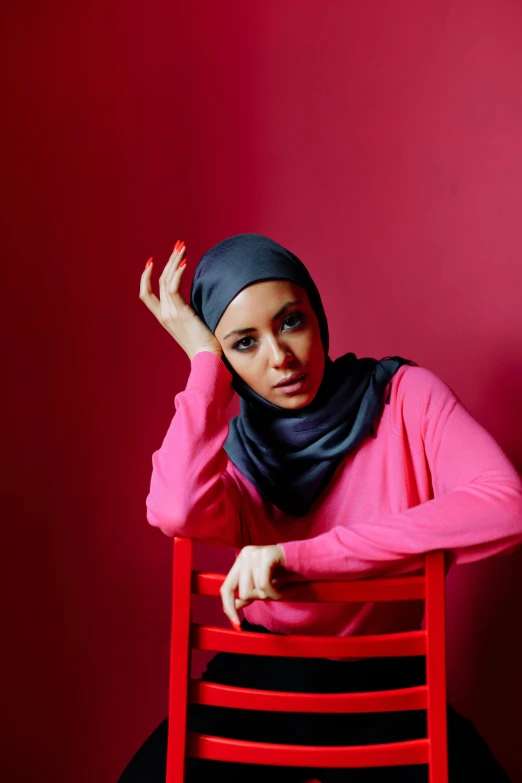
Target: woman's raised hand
x=171 y=310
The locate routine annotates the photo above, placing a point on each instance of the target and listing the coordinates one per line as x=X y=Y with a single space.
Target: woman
x=333 y=469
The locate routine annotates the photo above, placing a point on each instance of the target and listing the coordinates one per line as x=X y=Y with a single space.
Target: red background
x=381 y=142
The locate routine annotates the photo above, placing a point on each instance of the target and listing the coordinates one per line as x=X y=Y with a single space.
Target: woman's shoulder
x=415 y=391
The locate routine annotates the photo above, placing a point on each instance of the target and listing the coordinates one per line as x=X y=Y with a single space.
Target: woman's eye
x=293 y=320
x=240 y=345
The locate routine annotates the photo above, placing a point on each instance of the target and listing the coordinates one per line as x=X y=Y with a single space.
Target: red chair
x=430 y=642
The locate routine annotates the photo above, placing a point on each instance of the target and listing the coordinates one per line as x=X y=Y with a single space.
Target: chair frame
x=431 y=642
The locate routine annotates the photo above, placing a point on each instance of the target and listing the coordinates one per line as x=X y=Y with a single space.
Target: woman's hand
x=171 y=310
x=252 y=573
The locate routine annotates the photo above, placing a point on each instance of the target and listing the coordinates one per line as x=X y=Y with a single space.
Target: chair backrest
x=430 y=642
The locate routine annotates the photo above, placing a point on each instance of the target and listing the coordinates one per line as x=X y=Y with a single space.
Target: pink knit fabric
x=433 y=478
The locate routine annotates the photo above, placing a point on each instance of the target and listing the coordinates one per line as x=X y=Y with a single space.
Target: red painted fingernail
x=182 y=263
x=176 y=246
x=149 y=262
x=236 y=626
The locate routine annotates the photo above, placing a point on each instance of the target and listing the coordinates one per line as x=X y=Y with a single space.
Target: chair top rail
x=217 y=695
x=242 y=751
x=206 y=637
x=401 y=588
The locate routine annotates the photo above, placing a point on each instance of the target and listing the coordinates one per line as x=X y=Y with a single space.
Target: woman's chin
x=295 y=401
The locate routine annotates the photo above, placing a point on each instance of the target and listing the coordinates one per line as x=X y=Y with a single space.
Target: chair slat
x=209 y=693
x=391 y=754
x=407 y=588
x=206 y=637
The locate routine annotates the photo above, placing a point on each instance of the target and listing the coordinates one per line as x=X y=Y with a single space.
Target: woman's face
x=268 y=333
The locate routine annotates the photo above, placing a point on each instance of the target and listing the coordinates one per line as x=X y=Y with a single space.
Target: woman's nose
x=279 y=354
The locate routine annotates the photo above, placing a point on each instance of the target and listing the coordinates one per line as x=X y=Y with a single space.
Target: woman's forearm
x=191 y=494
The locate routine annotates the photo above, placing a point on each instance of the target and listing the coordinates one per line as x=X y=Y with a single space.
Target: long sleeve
x=476 y=505
x=191 y=494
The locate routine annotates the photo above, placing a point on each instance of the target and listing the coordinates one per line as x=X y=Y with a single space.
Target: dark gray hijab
x=289 y=455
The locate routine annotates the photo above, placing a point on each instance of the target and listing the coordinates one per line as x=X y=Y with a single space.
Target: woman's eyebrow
x=274 y=318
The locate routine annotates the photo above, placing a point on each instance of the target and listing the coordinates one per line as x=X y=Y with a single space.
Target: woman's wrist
x=210 y=375
x=206 y=350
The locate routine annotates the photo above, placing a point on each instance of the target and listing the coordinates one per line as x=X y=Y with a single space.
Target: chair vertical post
x=436 y=666
x=179 y=659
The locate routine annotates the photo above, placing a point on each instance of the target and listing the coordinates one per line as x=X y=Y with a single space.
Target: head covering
x=289 y=455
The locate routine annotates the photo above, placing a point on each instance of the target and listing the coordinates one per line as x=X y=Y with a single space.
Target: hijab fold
x=290 y=455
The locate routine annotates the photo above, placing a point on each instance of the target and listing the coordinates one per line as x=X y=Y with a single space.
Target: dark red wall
x=381 y=143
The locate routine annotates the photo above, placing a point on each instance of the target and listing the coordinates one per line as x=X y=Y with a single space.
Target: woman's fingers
x=264 y=560
x=160 y=307
x=170 y=285
x=146 y=295
x=172 y=279
x=227 y=594
x=170 y=266
x=263 y=581
x=246 y=581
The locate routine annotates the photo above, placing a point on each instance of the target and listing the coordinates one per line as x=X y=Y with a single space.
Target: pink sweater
x=433 y=478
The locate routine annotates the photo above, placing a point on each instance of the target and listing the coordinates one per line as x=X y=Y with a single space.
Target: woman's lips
x=294 y=386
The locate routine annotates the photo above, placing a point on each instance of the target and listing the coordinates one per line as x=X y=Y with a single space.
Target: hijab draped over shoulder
x=289 y=455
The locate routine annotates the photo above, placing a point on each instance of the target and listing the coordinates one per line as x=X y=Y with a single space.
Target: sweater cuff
x=291 y=556
x=210 y=377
